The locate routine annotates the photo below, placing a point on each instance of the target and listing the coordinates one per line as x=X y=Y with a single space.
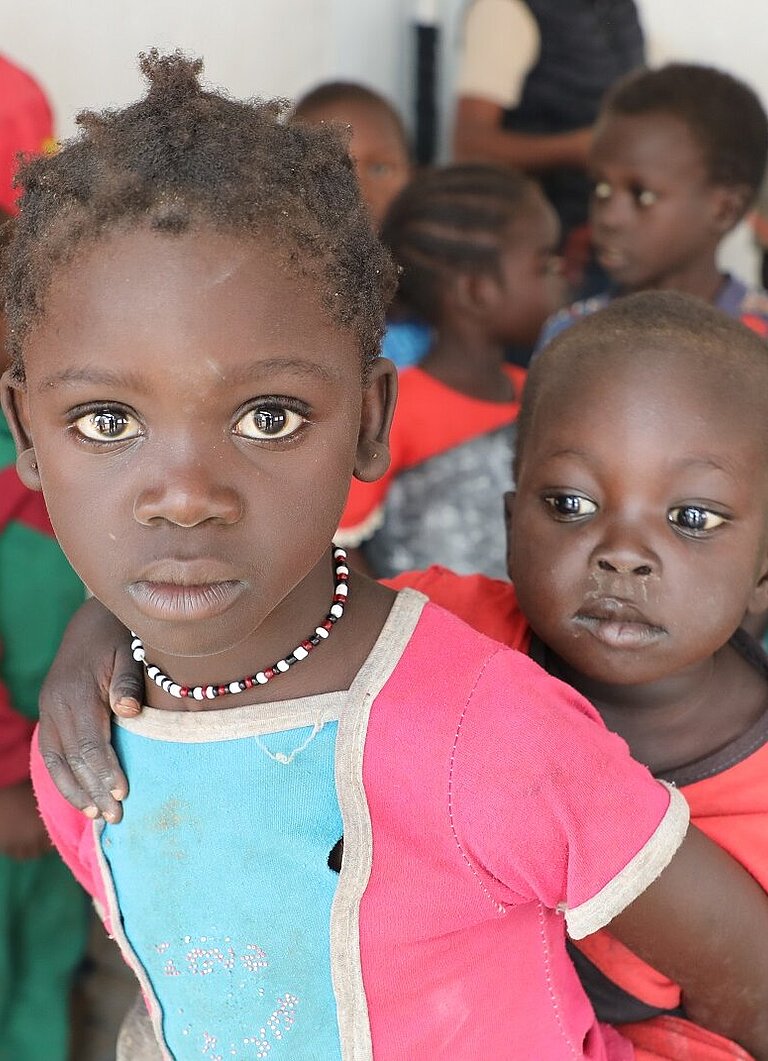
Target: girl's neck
x=682 y=718
x=470 y=364
x=330 y=667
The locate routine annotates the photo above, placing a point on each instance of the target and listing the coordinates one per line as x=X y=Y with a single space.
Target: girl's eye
x=602 y=191
x=269 y=422
x=108 y=425
x=645 y=197
x=695 y=519
x=570 y=506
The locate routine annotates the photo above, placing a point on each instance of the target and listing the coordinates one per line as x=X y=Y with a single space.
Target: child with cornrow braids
x=196 y=299
x=475 y=246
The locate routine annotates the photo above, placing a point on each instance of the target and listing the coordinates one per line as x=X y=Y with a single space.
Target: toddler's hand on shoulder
x=92 y=675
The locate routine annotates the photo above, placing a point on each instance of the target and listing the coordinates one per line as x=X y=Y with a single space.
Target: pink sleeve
x=574 y=822
x=15 y=736
x=73 y=834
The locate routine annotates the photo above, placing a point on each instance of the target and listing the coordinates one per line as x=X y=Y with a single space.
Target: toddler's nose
x=624 y=566
x=624 y=549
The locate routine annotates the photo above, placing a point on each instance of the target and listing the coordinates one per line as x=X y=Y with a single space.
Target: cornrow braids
x=447 y=221
x=723 y=115
x=183 y=156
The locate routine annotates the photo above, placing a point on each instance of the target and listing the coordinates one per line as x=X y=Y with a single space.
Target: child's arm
x=704 y=923
x=549 y=802
x=93 y=671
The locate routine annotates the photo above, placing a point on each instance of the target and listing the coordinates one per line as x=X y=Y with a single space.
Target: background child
x=378 y=142
x=381 y=151
x=42 y=910
x=195 y=461
x=678 y=158
x=476 y=249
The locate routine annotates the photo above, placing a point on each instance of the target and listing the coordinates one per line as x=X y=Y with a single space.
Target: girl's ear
x=14 y=402
x=475 y=294
x=379 y=397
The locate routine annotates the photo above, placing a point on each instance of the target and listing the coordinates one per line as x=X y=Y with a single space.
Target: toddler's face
x=195 y=415
x=655 y=215
x=638 y=532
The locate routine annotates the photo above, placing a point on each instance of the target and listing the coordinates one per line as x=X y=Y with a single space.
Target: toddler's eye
x=108 y=425
x=570 y=506
x=602 y=191
x=695 y=519
x=268 y=422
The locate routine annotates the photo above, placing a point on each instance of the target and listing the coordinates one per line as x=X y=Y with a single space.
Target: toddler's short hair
x=182 y=156
x=722 y=113
x=666 y=321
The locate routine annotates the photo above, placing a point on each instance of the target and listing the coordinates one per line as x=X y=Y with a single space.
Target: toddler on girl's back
x=195 y=382
x=637 y=541
x=475 y=246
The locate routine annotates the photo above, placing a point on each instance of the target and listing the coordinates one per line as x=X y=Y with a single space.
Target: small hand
x=93 y=673
x=22 y=833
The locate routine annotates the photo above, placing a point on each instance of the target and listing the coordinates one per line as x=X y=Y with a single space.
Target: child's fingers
x=63 y=776
x=126 y=687
x=76 y=750
x=86 y=789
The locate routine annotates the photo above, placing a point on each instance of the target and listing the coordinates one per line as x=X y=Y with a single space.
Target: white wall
x=84 y=50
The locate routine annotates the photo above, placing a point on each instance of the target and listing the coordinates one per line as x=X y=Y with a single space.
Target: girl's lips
x=171 y=600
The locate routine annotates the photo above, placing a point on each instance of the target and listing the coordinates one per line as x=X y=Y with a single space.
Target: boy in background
x=677 y=160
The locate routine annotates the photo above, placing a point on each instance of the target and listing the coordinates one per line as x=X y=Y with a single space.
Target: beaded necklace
x=302 y=650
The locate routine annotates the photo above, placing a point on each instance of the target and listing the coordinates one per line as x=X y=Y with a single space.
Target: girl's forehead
x=197 y=294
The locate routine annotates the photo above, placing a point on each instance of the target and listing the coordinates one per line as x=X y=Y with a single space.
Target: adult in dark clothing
x=532 y=75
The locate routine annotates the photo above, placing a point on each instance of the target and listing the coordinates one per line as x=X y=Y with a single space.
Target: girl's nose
x=187 y=497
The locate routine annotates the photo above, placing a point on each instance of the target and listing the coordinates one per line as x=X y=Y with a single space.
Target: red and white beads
x=302 y=650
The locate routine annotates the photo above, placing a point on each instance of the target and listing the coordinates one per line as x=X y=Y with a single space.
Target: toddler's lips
x=619 y=625
x=173 y=600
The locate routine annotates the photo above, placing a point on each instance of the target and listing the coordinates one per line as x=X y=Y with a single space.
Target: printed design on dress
x=205 y=956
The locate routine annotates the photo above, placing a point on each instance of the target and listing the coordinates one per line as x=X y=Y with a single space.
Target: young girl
x=476 y=249
x=195 y=301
